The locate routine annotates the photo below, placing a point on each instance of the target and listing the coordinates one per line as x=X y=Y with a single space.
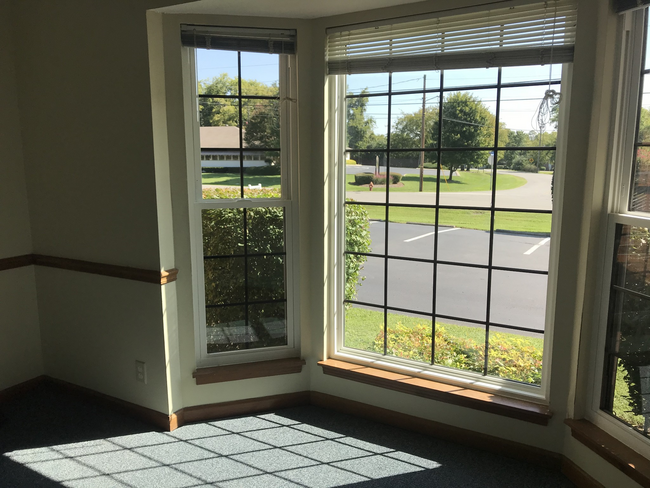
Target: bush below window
x=511 y=356
x=376 y=179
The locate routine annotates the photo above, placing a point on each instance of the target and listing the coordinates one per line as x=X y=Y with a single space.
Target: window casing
x=244 y=228
x=619 y=394
x=388 y=347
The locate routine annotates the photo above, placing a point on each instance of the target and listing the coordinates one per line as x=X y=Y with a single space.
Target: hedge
x=511 y=357
x=225 y=278
x=376 y=179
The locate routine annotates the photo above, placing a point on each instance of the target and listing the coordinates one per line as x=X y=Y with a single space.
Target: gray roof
x=219 y=137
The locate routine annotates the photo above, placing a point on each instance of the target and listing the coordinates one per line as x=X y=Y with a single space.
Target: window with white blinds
x=518 y=35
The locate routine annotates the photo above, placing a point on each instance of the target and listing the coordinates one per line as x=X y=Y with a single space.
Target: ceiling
x=300 y=9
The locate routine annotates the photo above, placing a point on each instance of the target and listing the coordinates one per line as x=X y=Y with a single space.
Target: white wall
x=20 y=342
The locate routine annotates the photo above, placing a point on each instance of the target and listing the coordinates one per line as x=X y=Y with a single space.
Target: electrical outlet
x=141 y=372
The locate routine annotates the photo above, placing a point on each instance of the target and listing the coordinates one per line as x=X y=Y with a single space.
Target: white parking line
x=537 y=246
x=430 y=234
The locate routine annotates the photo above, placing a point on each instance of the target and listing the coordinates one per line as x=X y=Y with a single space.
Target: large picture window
x=448 y=198
x=241 y=196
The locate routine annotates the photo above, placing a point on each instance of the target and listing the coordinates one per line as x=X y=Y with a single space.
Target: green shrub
x=511 y=356
x=223 y=234
x=357 y=239
x=376 y=179
x=350 y=162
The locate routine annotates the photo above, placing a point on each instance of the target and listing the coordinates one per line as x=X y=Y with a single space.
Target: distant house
x=220 y=149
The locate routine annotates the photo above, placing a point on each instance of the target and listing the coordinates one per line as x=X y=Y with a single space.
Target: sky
x=518 y=105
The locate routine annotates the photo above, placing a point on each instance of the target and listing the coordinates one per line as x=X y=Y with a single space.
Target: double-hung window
x=623 y=353
x=447 y=157
x=242 y=187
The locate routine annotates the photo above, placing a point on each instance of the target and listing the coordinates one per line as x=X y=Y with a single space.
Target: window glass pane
x=269 y=322
x=262 y=178
x=364 y=328
x=225 y=280
x=518 y=299
x=367 y=126
x=463 y=236
x=367 y=83
x=522 y=240
x=410 y=285
x=523 y=180
x=409 y=337
x=414 y=80
x=265 y=230
x=369 y=284
x=515 y=355
x=460 y=345
x=412 y=239
x=643 y=135
x=468 y=121
x=362 y=234
x=520 y=122
x=466 y=179
x=627 y=374
x=407 y=128
x=640 y=195
x=261 y=122
x=413 y=185
x=216 y=72
x=266 y=278
x=462 y=292
x=226 y=329
x=519 y=74
x=223 y=231
x=370 y=168
x=470 y=77
x=260 y=74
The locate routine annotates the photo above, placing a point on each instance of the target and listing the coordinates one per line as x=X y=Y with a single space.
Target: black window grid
x=247 y=302
x=240 y=98
x=492 y=208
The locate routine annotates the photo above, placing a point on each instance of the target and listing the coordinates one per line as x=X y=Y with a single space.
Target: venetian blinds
x=519 y=35
x=272 y=41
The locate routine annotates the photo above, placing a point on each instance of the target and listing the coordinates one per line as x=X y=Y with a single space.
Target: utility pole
x=424 y=87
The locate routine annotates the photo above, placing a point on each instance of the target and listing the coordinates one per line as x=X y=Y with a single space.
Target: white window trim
x=288 y=200
x=467 y=379
x=621 y=166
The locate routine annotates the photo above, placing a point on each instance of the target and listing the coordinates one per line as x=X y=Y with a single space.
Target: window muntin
x=242 y=209
x=463 y=285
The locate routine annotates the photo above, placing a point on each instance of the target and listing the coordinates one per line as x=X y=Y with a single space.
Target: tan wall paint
x=20 y=341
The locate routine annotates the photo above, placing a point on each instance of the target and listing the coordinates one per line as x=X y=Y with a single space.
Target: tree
x=466 y=122
x=260 y=117
x=406 y=133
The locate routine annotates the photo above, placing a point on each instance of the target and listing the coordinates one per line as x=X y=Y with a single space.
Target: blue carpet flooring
x=50 y=438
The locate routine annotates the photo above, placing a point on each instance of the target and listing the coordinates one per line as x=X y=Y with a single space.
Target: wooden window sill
x=245 y=371
x=612 y=450
x=464 y=397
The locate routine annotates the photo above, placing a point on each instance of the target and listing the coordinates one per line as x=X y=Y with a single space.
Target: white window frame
x=288 y=200
x=631 y=61
x=337 y=137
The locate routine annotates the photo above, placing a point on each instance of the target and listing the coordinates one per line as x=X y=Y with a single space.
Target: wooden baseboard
x=21 y=388
x=148 y=415
x=439 y=430
x=241 y=407
x=578 y=476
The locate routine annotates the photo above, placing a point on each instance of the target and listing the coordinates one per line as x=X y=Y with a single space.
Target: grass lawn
x=362 y=326
x=465 y=181
x=466 y=219
x=546 y=172
x=232 y=179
